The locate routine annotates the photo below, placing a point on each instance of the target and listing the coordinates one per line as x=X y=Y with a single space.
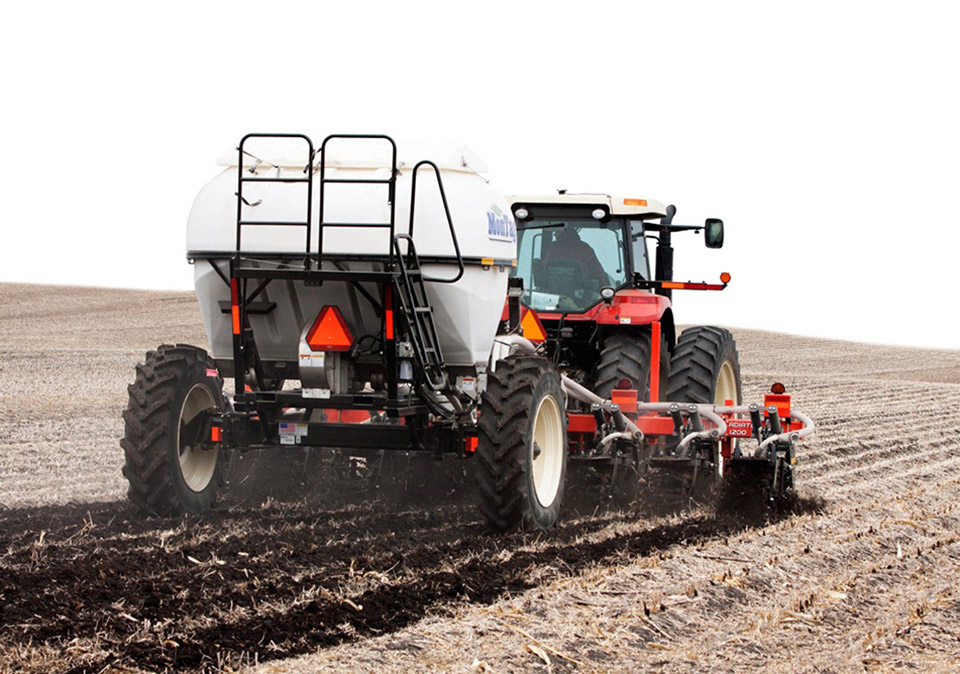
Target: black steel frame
x=259 y=412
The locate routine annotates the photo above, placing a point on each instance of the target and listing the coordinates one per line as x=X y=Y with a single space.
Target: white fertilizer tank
x=466 y=313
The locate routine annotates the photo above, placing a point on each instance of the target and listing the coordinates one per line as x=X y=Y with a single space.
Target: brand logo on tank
x=500 y=227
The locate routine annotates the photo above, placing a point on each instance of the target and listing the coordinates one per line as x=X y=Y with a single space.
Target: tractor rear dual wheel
x=169 y=471
x=705 y=368
x=625 y=355
x=522 y=446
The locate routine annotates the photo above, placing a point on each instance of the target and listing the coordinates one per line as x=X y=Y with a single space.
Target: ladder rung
x=423 y=310
x=377 y=181
x=274 y=180
x=269 y=223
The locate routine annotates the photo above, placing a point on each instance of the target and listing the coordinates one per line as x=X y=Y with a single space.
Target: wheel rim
x=197 y=465
x=547 y=451
x=726 y=390
x=726 y=385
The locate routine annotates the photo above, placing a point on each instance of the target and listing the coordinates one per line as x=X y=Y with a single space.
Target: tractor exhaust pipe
x=664 y=268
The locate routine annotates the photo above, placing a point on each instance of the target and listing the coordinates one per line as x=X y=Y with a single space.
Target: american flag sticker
x=298 y=430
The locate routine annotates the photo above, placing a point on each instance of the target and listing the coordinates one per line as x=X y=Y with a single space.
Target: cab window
x=638 y=244
x=565 y=262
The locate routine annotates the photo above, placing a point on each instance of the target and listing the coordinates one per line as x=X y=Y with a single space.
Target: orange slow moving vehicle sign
x=329 y=331
x=531 y=327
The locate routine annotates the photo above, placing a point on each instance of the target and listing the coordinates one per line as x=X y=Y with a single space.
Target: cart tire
x=167 y=476
x=705 y=368
x=522 y=446
x=626 y=355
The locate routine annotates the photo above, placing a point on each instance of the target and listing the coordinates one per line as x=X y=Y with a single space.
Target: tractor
x=362 y=298
x=604 y=311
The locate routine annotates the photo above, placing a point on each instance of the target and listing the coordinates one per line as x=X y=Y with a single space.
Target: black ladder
x=402 y=269
x=419 y=314
x=390 y=182
x=413 y=293
x=254 y=177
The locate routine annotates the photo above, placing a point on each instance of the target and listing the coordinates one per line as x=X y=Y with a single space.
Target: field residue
x=859 y=575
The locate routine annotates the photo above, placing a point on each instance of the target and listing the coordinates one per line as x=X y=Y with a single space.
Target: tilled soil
x=103 y=583
x=300 y=574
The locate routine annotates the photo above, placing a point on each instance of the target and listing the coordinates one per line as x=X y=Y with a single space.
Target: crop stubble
x=859 y=575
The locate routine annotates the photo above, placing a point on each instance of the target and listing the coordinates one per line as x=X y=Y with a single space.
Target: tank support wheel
x=169 y=467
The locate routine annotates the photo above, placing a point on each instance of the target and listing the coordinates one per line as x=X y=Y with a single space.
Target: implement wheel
x=626 y=355
x=705 y=368
x=176 y=389
x=522 y=447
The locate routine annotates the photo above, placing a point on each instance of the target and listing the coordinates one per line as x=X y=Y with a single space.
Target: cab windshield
x=564 y=262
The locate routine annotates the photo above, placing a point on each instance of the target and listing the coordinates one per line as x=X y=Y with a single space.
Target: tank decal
x=500 y=226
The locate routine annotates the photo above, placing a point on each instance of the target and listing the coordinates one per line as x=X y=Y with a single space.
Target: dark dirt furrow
x=80 y=604
x=87 y=579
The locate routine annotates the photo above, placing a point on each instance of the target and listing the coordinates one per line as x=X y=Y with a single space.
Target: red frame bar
x=654 y=425
x=655 y=362
x=235 y=304
x=673 y=285
x=650 y=425
x=581 y=423
x=388 y=311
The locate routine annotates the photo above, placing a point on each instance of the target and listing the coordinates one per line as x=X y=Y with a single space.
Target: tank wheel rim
x=547 y=451
x=197 y=464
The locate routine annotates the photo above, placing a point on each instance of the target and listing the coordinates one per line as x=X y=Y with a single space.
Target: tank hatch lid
x=360 y=154
x=617 y=205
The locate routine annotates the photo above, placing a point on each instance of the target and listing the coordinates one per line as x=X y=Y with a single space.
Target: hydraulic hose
x=792 y=436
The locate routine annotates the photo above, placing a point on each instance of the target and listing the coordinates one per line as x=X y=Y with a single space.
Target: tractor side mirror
x=713 y=233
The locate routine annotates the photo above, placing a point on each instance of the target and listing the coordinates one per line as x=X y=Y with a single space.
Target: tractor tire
x=705 y=368
x=626 y=355
x=522 y=446
x=167 y=476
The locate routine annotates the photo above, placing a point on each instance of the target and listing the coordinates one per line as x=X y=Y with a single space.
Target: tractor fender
x=667 y=328
x=634 y=307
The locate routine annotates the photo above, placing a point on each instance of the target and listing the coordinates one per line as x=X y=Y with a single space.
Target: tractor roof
x=617 y=205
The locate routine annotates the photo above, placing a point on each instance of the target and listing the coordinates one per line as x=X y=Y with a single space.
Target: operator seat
x=562 y=276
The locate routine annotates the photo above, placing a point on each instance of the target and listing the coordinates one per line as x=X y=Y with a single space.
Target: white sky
x=825 y=134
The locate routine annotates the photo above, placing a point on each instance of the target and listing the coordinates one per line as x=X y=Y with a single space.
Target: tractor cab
x=574 y=251
x=588 y=274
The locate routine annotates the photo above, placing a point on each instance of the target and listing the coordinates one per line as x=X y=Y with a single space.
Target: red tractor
x=601 y=309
